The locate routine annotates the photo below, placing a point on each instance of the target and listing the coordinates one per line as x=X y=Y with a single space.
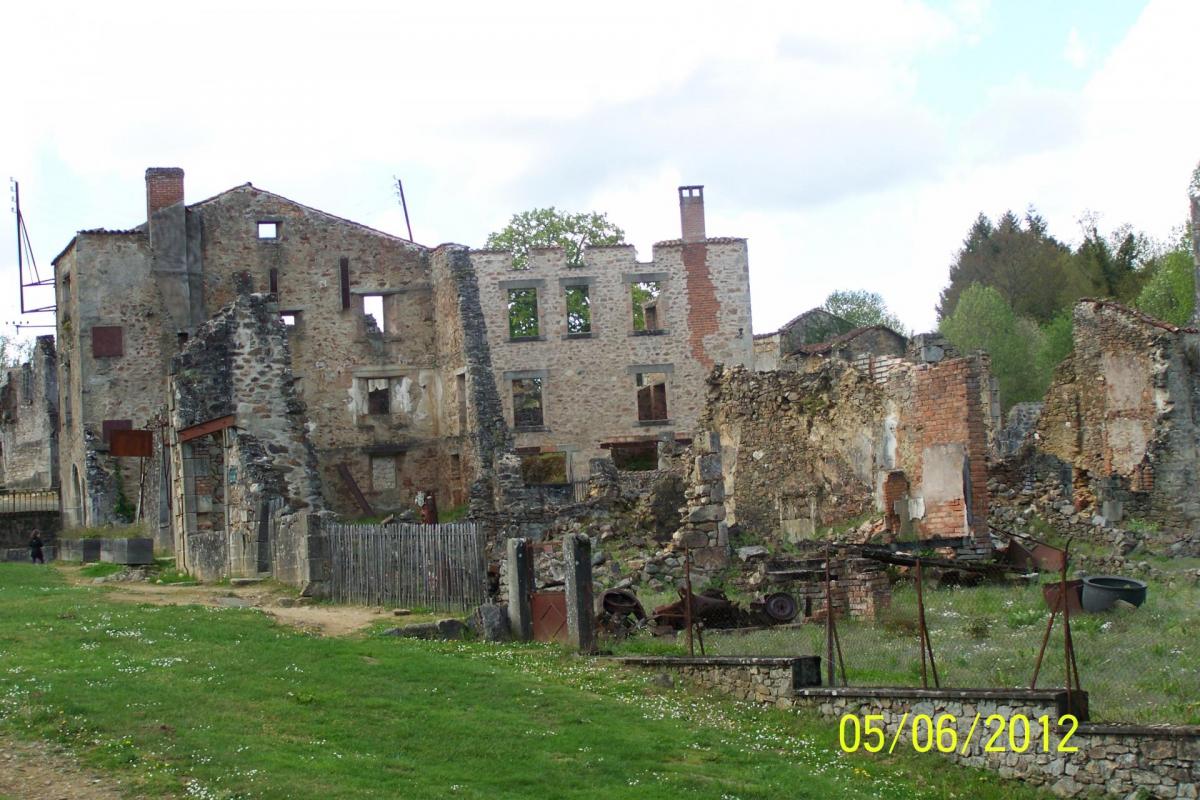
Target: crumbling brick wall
x=803 y=453
x=1123 y=410
x=29 y=421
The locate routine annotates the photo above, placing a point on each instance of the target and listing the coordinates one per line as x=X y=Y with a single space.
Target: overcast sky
x=852 y=143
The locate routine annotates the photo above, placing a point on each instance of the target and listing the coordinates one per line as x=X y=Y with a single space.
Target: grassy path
x=214 y=703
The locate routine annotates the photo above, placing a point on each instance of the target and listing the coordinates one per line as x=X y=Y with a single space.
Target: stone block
x=577 y=561
x=127 y=551
x=709 y=513
x=520 y=587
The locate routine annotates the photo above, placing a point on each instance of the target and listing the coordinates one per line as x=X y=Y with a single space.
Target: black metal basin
x=1101 y=591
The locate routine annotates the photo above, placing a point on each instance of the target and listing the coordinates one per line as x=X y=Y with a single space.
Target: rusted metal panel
x=108 y=341
x=108 y=426
x=549 y=611
x=205 y=428
x=135 y=444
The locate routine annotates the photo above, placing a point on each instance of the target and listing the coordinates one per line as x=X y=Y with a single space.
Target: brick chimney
x=164 y=187
x=691 y=213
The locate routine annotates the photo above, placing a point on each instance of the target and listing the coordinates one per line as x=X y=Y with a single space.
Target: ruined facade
x=796 y=456
x=1124 y=412
x=29 y=421
x=266 y=357
x=612 y=355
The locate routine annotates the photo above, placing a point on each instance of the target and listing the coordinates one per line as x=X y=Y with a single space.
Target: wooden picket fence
x=424 y=566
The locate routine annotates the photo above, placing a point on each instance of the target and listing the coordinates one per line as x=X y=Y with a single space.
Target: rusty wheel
x=780 y=607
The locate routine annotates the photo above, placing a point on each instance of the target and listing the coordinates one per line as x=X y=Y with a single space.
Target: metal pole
x=687 y=600
x=921 y=626
x=828 y=619
x=20 y=254
x=404 y=205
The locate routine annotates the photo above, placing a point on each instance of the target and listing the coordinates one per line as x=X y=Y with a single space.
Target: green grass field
x=1139 y=665
x=214 y=703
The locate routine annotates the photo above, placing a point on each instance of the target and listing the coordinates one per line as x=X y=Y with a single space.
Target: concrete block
x=520 y=587
x=127 y=551
x=577 y=562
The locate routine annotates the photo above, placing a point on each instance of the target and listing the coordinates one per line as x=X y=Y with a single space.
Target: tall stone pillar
x=520 y=587
x=577 y=563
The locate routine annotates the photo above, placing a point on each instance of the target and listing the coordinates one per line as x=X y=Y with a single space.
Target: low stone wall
x=16 y=528
x=771 y=681
x=127 y=551
x=1118 y=760
x=300 y=552
x=22 y=553
x=84 y=551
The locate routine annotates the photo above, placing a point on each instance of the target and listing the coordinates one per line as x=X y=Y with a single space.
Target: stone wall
x=1123 y=410
x=589 y=388
x=114 y=338
x=801 y=453
x=1118 y=760
x=339 y=355
x=769 y=681
x=234 y=376
x=29 y=421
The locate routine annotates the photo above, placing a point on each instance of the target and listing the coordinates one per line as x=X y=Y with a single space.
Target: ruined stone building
x=29 y=421
x=612 y=355
x=816 y=336
x=246 y=353
x=1124 y=411
x=790 y=455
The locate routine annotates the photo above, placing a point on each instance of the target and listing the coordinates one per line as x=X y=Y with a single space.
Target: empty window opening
x=527 y=403
x=635 y=457
x=268 y=230
x=455 y=466
x=544 y=468
x=522 y=313
x=273 y=281
x=383 y=473
x=579 y=311
x=652 y=396
x=373 y=311
x=290 y=318
x=379 y=396
x=646 y=308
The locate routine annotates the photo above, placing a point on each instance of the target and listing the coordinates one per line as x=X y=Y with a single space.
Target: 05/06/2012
x=868 y=733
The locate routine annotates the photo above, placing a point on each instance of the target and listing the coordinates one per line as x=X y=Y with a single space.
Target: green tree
x=13 y=351
x=983 y=320
x=1170 y=292
x=549 y=227
x=1057 y=342
x=861 y=308
x=1031 y=270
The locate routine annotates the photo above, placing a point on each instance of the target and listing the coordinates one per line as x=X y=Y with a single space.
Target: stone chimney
x=691 y=213
x=164 y=187
x=166 y=221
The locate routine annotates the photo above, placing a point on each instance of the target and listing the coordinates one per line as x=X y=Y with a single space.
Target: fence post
x=577 y=562
x=520 y=587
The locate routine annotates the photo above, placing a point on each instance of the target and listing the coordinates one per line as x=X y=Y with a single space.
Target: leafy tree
x=1170 y=292
x=13 y=351
x=983 y=320
x=1030 y=269
x=1057 y=342
x=860 y=308
x=1112 y=264
x=549 y=227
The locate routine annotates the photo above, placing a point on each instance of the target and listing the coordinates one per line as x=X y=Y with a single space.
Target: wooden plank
x=344 y=471
x=205 y=428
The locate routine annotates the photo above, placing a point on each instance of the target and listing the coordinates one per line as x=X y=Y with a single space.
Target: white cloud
x=1075 y=52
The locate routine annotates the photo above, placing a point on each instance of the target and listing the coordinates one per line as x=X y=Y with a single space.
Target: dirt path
x=41 y=771
x=325 y=620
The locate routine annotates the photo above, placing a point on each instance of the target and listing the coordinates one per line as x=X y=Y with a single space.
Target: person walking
x=35 y=548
